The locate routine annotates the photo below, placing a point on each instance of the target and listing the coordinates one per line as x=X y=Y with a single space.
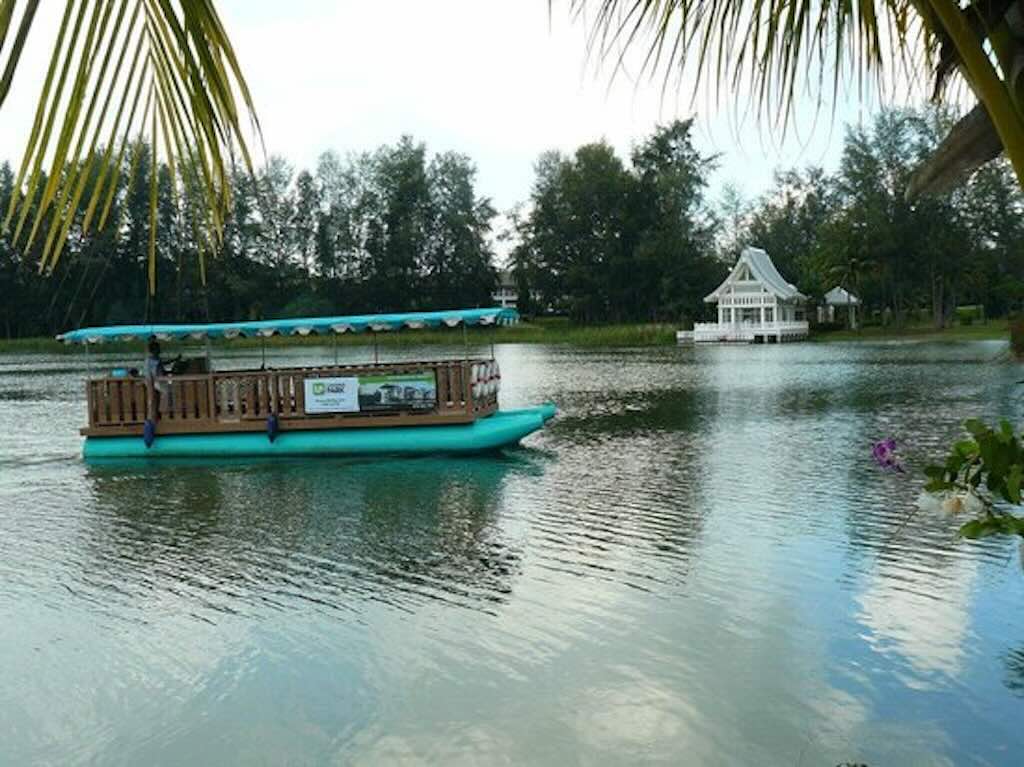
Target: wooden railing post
x=90 y=403
x=211 y=397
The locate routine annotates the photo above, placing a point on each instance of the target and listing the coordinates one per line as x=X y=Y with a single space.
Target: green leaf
x=965 y=448
x=19 y=41
x=1011 y=525
x=977 y=428
x=979 y=528
x=1013 y=481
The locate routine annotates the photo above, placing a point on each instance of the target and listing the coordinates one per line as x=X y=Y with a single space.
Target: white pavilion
x=755 y=305
x=839 y=298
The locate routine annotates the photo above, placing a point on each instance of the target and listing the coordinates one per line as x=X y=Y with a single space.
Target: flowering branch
x=980 y=470
x=884 y=453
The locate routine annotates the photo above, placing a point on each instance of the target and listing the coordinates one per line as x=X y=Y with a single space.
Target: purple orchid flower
x=884 y=453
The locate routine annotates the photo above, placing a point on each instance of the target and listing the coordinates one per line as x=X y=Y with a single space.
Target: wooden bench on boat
x=241 y=400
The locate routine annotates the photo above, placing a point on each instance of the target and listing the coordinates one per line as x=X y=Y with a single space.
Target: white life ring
x=476 y=380
x=489 y=388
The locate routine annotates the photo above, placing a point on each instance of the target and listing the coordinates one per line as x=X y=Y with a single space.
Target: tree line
x=855 y=227
x=393 y=229
x=603 y=241
x=600 y=239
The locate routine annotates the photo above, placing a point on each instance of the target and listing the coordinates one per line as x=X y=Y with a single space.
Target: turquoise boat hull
x=491 y=433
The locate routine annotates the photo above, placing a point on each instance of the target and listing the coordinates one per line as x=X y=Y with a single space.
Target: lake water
x=696 y=563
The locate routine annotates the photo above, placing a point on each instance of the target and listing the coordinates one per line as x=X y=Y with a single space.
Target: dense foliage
x=392 y=229
x=855 y=227
x=986 y=467
x=600 y=239
x=606 y=242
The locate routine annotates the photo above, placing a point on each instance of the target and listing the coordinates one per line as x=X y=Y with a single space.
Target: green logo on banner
x=318 y=389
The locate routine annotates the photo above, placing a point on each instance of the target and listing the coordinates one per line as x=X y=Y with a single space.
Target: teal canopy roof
x=302 y=327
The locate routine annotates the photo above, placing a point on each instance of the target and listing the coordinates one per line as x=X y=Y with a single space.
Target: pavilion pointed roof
x=840 y=296
x=762 y=270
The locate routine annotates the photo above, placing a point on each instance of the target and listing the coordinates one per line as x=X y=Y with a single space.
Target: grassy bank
x=542 y=332
x=993 y=329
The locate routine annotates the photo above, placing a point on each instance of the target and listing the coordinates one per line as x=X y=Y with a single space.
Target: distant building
x=507 y=293
x=755 y=304
x=839 y=298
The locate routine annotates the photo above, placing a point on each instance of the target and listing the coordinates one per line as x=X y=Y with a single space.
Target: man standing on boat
x=153 y=369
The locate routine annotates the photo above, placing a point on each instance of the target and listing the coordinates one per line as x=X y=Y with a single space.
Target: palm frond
x=109 y=56
x=768 y=53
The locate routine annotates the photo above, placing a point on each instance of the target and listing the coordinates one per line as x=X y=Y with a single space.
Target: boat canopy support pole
x=263 y=353
x=465 y=342
x=335 y=337
x=376 y=355
x=209 y=361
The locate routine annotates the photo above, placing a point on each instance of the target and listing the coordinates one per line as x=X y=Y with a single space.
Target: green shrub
x=1017 y=335
x=828 y=327
x=967 y=315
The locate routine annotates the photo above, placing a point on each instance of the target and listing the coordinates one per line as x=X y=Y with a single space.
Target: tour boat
x=436 y=406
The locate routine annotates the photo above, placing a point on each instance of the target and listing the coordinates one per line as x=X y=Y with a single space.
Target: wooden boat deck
x=241 y=400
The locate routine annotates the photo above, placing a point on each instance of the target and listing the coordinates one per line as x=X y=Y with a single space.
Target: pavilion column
x=761 y=309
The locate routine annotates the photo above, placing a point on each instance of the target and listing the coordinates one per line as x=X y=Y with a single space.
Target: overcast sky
x=496 y=79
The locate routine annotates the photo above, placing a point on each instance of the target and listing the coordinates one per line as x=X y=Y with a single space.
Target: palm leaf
x=768 y=53
x=106 y=55
x=7 y=8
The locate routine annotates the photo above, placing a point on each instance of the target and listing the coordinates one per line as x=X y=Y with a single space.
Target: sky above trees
x=500 y=81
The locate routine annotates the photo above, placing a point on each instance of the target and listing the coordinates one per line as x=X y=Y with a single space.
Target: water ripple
x=696 y=557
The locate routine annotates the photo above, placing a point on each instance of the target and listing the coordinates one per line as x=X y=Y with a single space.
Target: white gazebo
x=839 y=298
x=755 y=305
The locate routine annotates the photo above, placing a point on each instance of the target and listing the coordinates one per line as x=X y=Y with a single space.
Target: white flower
x=929 y=502
x=963 y=503
x=960 y=502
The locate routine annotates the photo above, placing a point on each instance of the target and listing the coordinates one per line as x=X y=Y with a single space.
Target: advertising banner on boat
x=332 y=395
x=398 y=391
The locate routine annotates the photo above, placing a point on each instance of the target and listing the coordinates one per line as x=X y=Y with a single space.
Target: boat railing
x=242 y=400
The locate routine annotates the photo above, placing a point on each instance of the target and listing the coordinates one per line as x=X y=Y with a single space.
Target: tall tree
x=609 y=242
x=458 y=259
x=788 y=221
x=675 y=248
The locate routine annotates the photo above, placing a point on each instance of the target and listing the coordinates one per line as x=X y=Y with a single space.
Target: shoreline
x=993 y=330
x=544 y=332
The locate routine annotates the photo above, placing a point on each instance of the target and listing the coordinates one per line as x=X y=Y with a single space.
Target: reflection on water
x=1015 y=671
x=696 y=562
x=399 y=531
